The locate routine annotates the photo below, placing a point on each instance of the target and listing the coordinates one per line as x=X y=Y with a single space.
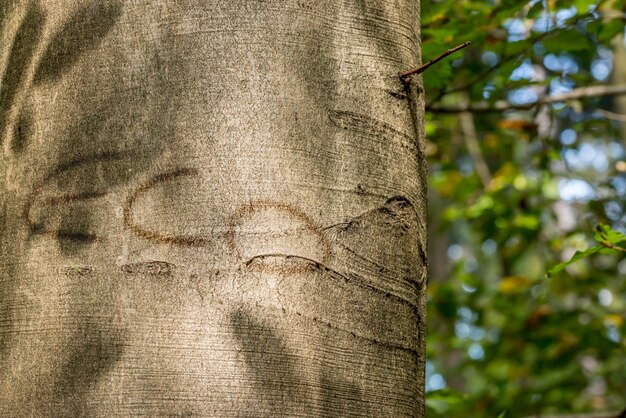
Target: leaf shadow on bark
x=82 y=33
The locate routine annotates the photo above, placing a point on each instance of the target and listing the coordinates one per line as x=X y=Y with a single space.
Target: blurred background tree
x=526 y=133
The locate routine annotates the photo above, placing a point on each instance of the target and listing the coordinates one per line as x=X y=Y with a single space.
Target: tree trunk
x=211 y=208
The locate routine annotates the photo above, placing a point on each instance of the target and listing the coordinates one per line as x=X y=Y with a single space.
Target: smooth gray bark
x=211 y=208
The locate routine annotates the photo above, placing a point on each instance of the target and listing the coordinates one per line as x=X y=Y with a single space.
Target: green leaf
x=442 y=401
x=438 y=76
x=610 y=29
x=537 y=8
x=439 y=36
x=579 y=255
x=582 y=6
x=604 y=233
x=566 y=40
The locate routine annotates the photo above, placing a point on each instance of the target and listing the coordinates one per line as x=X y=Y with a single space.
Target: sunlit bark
x=211 y=208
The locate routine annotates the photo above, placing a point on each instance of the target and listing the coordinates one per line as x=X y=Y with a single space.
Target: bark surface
x=211 y=208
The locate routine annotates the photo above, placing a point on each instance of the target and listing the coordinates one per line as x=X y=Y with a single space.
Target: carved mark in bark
x=32 y=199
x=153 y=268
x=294 y=218
x=129 y=222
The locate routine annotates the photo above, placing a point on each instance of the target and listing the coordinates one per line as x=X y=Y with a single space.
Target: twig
x=612 y=246
x=612 y=115
x=406 y=76
x=468 y=130
x=502 y=60
x=502 y=105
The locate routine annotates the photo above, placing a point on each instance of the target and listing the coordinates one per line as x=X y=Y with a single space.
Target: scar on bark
x=369 y=340
x=156 y=236
x=396 y=218
x=307 y=264
x=397 y=95
x=369 y=126
x=31 y=200
x=79 y=271
x=259 y=262
x=153 y=268
x=22 y=131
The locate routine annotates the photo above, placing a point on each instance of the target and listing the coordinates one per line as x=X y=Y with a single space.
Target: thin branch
x=502 y=60
x=468 y=130
x=612 y=115
x=612 y=246
x=466 y=119
x=406 y=76
x=502 y=105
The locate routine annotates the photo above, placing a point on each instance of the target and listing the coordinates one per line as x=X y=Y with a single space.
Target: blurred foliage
x=515 y=194
x=608 y=240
